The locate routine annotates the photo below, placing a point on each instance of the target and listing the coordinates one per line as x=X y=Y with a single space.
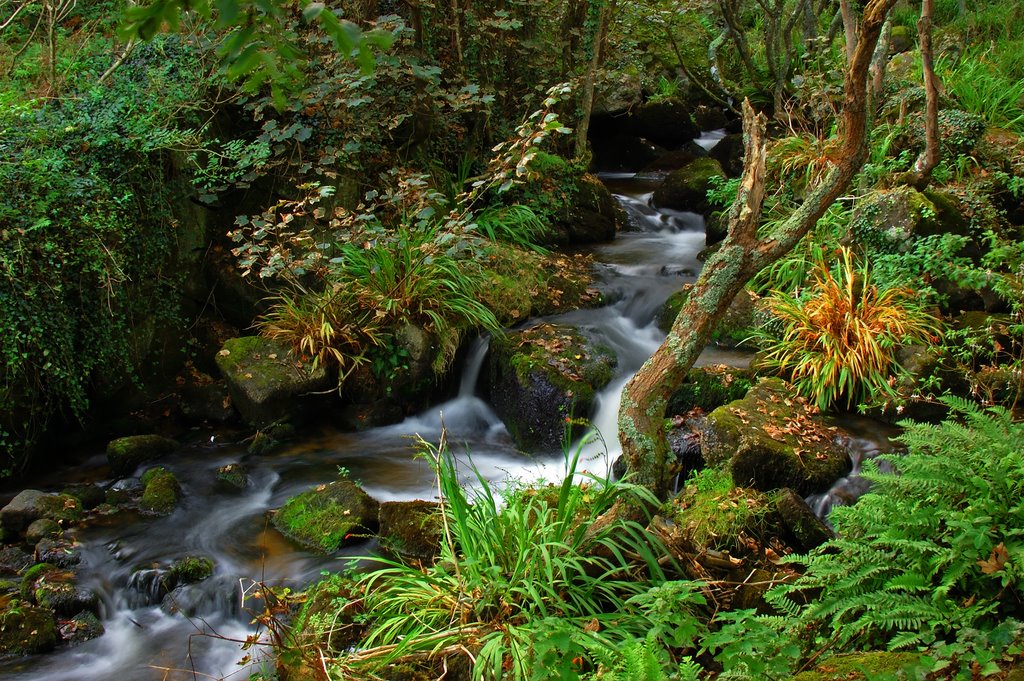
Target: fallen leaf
x=996 y=561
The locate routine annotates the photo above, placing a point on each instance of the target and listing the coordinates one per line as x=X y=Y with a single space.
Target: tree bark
x=929 y=158
x=587 y=96
x=743 y=254
x=849 y=28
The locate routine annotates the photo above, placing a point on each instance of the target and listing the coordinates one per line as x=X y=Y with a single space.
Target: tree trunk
x=927 y=161
x=589 y=77
x=743 y=254
x=849 y=28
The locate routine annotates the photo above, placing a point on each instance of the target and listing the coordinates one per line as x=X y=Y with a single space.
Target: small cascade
x=147 y=586
x=867 y=441
x=709 y=138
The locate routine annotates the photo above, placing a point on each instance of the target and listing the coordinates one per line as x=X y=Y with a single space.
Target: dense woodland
x=191 y=185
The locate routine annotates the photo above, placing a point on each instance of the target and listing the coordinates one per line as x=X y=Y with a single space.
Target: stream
x=124 y=553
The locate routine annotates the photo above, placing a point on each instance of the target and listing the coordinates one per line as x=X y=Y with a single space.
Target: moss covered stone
x=773 y=439
x=735 y=326
x=162 y=491
x=411 y=528
x=51 y=587
x=83 y=627
x=232 y=477
x=853 y=666
x=126 y=453
x=328 y=516
x=26 y=629
x=687 y=188
x=709 y=387
x=190 y=570
x=266 y=380
x=31 y=505
x=542 y=377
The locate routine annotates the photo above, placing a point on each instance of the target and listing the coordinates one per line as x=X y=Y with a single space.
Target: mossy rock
x=901 y=39
x=31 y=505
x=666 y=122
x=266 y=380
x=411 y=528
x=83 y=627
x=190 y=570
x=91 y=496
x=14 y=561
x=773 y=439
x=729 y=153
x=806 y=530
x=888 y=219
x=26 y=629
x=58 y=590
x=541 y=377
x=40 y=529
x=232 y=477
x=852 y=666
x=687 y=188
x=60 y=551
x=125 y=454
x=709 y=387
x=162 y=491
x=589 y=215
x=328 y=516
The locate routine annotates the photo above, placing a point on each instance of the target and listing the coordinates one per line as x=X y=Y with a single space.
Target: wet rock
x=772 y=439
x=674 y=160
x=126 y=491
x=57 y=590
x=589 y=215
x=14 y=561
x=709 y=387
x=190 y=570
x=716 y=228
x=806 y=530
x=127 y=453
x=624 y=153
x=232 y=477
x=901 y=39
x=687 y=188
x=62 y=552
x=710 y=117
x=542 y=378
x=26 y=630
x=31 y=505
x=207 y=403
x=685 y=446
x=91 y=496
x=729 y=154
x=161 y=491
x=667 y=122
x=267 y=381
x=83 y=627
x=328 y=516
x=39 y=529
x=410 y=528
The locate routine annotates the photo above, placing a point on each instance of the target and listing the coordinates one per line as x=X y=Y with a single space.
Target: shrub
x=839 y=336
x=936 y=548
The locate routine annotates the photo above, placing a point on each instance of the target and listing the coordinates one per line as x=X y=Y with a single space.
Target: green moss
x=25 y=629
x=708 y=388
x=713 y=512
x=568 y=359
x=162 y=491
x=190 y=569
x=328 y=516
x=28 y=580
x=867 y=666
x=62 y=508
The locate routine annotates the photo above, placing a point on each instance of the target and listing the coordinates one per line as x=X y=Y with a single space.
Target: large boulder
x=667 y=122
x=773 y=439
x=126 y=453
x=891 y=219
x=267 y=381
x=328 y=516
x=31 y=505
x=729 y=153
x=709 y=387
x=735 y=326
x=543 y=377
x=589 y=215
x=687 y=188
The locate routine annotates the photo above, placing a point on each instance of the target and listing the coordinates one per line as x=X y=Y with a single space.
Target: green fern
x=937 y=546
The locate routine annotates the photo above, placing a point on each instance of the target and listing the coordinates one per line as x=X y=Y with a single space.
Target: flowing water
x=124 y=555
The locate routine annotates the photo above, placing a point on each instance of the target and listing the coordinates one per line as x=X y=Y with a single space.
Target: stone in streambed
x=26 y=629
x=687 y=188
x=31 y=505
x=411 y=528
x=266 y=380
x=328 y=516
x=83 y=627
x=161 y=491
x=773 y=439
x=125 y=454
x=543 y=378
